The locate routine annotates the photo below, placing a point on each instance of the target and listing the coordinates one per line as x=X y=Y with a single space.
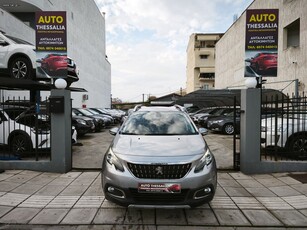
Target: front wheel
x=228 y=129
x=20 y=144
x=298 y=145
x=20 y=67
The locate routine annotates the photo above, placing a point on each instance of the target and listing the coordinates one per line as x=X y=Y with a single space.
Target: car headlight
x=81 y=121
x=217 y=121
x=113 y=160
x=205 y=160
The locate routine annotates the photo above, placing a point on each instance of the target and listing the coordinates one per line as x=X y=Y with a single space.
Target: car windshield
x=85 y=112
x=158 y=123
x=18 y=40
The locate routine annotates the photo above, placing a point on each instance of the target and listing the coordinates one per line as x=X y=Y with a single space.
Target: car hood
x=158 y=146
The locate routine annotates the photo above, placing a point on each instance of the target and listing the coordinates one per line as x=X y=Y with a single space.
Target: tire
x=20 y=144
x=228 y=129
x=298 y=145
x=20 y=67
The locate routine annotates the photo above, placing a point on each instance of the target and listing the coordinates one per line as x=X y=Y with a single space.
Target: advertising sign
x=261 y=45
x=51 y=44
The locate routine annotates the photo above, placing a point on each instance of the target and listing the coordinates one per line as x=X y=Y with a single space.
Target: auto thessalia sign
x=261 y=42
x=51 y=44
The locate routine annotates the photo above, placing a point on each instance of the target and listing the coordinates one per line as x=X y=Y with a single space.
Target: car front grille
x=159 y=171
x=158 y=198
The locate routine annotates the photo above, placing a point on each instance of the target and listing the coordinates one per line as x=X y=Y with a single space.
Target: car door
x=4 y=46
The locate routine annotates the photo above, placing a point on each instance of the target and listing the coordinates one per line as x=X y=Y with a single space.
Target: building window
x=207 y=75
x=205 y=87
x=292 y=34
x=202 y=44
x=203 y=56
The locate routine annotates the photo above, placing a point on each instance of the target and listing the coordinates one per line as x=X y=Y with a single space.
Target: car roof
x=159 y=108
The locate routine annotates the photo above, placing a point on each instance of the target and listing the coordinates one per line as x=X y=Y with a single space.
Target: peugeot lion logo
x=159 y=170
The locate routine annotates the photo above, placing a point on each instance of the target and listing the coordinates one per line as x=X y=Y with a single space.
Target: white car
x=290 y=132
x=17 y=57
x=21 y=138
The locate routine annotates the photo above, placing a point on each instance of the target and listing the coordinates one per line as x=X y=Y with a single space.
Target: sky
x=146 y=41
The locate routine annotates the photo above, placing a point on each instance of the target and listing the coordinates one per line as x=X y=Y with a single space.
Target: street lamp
x=251 y=82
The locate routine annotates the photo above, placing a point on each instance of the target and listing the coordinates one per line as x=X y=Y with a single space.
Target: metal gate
x=236 y=136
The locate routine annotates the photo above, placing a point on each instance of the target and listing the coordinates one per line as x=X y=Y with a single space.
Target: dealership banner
x=51 y=44
x=261 y=43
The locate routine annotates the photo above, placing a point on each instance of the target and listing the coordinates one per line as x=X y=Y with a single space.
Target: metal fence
x=25 y=130
x=284 y=128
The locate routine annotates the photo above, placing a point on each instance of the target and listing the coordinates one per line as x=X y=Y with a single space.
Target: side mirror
x=203 y=131
x=113 y=131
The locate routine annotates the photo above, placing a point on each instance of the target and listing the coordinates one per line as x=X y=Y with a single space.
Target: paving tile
x=29 y=172
x=49 y=216
x=50 y=190
x=250 y=183
x=261 y=218
x=12 y=199
x=231 y=191
x=271 y=182
x=4 y=176
x=83 y=181
x=4 y=210
x=88 y=175
x=20 y=178
x=222 y=203
x=291 y=217
x=74 y=190
x=284 y=191
x=36 y=201
x=298 y=202
x=289 y=180
x=80 y=216
x=302 y=188
x=63 y=202
x=193 y=228
x=2 y=193
x=110 y=216
x=140 y=216
x=109 y=204
x=262 y=176
x=94 y=190
x=201 y=217
x=6 y=186
x=70 y=175
x=61 y=181
x=230 y=217
x=41 y=180
x=27 y=189
x=247 y=203
x=170 y=217
x=261 y=192
x=220 y=191
x=304 y=212
x=240 y=176
x=274 y=203
x=228 y=183
x=19 y=215
x=223 y=176
x=89 y=202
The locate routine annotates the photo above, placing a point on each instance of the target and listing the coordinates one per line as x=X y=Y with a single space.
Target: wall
x=230 y=50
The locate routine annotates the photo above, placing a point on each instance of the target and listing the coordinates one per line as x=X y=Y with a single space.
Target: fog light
x=202 y=193
x=116 y=192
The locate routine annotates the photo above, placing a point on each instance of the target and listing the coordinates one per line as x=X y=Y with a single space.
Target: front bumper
x=196 y=188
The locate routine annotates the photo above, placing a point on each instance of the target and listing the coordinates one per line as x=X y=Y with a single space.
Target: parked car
x=98 y=121
x=18 y=57
x=83 y=125
x=224 y=123
x=159 y=158
x=264 y=61
x=202 y=121
x=107 y=119
x=288 y=131
x=21 y=135
x=117 y=117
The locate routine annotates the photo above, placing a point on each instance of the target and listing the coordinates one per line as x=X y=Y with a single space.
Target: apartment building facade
x=200 y=70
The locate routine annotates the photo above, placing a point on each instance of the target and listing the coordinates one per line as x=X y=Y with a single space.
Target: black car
x=98 y=121
x=224 y=123
x=202 y=120
x=83 y=124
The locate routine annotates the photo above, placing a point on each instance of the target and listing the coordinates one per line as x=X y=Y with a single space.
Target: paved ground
x=36 y=200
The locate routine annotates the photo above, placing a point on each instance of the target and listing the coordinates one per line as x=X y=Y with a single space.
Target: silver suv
x=159 y=158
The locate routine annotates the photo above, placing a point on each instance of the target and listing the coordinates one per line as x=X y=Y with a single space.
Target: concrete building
x=292 y=49
x=85 y=43
x=201 y=61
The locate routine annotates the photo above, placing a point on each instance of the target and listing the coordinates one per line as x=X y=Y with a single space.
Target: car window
x=158 y=123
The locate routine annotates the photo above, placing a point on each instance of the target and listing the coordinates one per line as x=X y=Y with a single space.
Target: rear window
x=158 y=123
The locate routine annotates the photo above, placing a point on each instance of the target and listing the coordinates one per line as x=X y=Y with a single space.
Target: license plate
x=159 y=188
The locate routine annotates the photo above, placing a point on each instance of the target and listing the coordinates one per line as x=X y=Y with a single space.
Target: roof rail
x=162 y=103
x=136 y=108
x=180 y=108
